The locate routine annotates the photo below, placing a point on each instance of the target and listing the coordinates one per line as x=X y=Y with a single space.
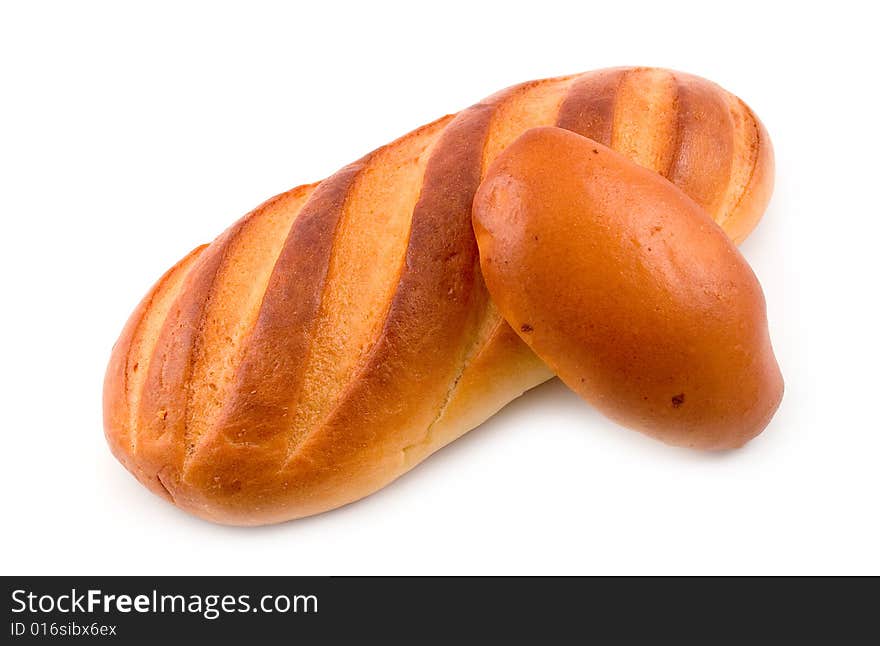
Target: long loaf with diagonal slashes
x=341 y=332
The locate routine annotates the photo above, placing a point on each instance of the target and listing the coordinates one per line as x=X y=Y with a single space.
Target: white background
x=129 y=135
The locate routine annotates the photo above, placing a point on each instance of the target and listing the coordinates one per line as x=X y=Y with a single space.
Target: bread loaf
x=627 y=289
x=341 y=332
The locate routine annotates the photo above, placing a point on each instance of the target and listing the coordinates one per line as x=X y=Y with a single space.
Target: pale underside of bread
x=340 y=333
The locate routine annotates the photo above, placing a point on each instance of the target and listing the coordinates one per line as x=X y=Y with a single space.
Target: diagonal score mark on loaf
x=588 y=108
x=515 y=110
x=365 y=267
x=129 y=366
x=701 y=165
x=201 y=337
x=230 y=312
x=430 y=324
x=644 y=127
x=718 y=147
x=751 y=148
x=276 y=350
x=143 y=343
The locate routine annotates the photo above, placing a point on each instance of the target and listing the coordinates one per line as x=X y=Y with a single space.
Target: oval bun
x=628 y=290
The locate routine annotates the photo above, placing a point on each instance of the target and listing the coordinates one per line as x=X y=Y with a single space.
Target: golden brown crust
x=704 y=143
x=254 y=419
x=424 y=335
x=628 y=291
x=129 y=361
x=588 y=108
x=341 y=333
x=688 y=129
x=752 y=175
